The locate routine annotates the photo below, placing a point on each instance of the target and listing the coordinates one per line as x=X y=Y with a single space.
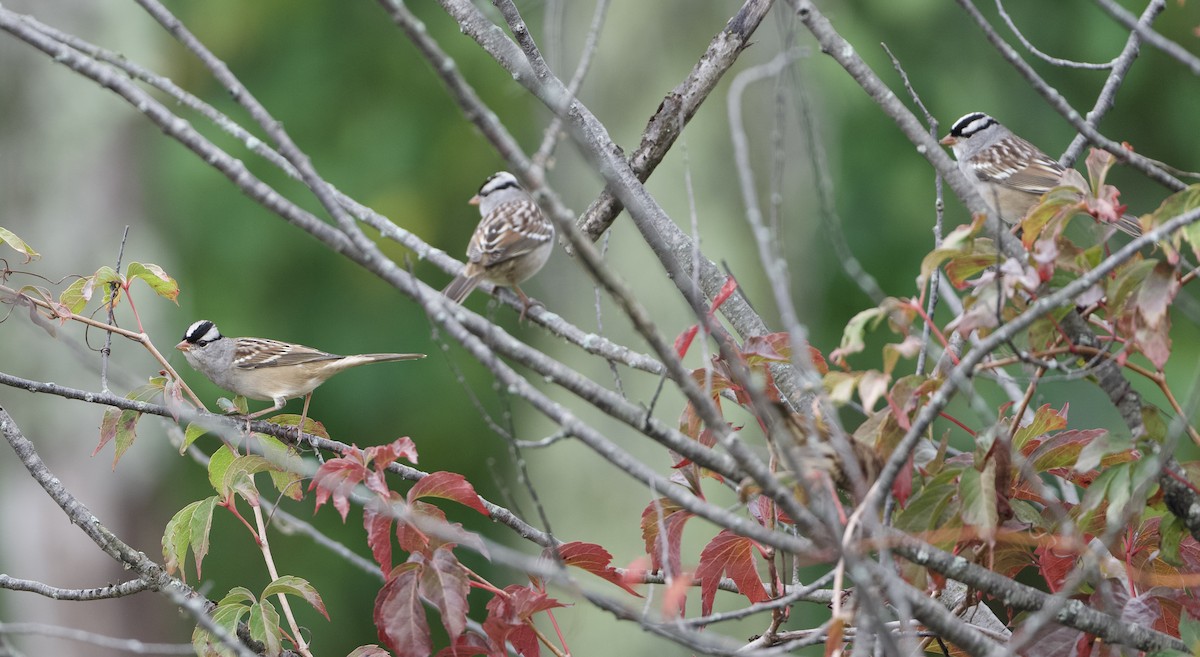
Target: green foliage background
x=355 y=95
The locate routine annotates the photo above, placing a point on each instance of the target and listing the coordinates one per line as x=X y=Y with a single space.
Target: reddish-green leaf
x=662 y=533
x=444 y=583
x=188 y=528
x=1045 y=419
x=400 y=616
x=121 y=425
x=728 y=554
x=1144 y=318
x=449 y=486
x=1062 y=449
x=368 y=651
x=594 y=559
x=299 y=587
x=154 y=276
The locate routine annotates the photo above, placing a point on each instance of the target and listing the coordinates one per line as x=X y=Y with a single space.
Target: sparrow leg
x=526 y=302
x=300 y=429
x=279 y=402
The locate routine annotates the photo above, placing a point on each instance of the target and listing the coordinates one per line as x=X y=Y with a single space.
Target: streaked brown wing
x=513 y=229
x=258 y=353
x=1037 y=177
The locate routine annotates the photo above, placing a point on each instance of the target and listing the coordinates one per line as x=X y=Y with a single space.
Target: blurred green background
x=77 y=164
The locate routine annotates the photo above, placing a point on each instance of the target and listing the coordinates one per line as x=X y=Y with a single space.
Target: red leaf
x=412 y=539
x=445 y=584
x=662 y=532
x=385 y=455
x=377 y=520
x=594 y=559
x=449 y=486
x=732 y=555
x=337 y=478
x=469 y=645
x=903 y=485
x=675 y=596
x=399 y=615
x=685 y=340
x=509 y=617
x=723 y=295
x=1055 y=564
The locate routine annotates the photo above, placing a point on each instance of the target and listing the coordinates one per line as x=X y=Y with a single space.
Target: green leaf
x=299 y=587
x=1189 y=632
x=264 y=627
x=10 y=238
x=239 y=477
x=188 y=528
x=218 y=463
x=238 y=596
x=73 y=297
x=978 y=493
x=1171 y=533
x=191 y=435
x=154 y=276
x=287 y=466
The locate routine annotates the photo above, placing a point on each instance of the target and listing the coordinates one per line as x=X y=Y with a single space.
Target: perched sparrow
x=1010 y=173
x=513 y=241
x=816 y=451
x=263 y=369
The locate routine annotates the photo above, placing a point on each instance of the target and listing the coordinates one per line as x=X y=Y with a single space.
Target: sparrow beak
x=183 y=345
x=474 y=200
x=948 y=140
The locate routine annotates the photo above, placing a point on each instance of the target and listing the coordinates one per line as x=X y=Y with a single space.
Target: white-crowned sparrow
x=512 y=242
x=263 y=369
x=1010 y=173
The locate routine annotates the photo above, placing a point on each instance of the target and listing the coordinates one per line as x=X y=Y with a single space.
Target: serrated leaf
x=368 y=651
x=218 y=463
x=444 y=583
x=399 y=615
x=188 y=528
x=371 y=650
x=978 y=493
x=286 y=466
x=594 y=559
x=238 y=596
x=728 y=554
x=449 y=486
x=10 y=238
x=154 y=276
x=121 y=425
x=263 y=621
x=336 y=479
x=299 y=587
x=662 y=533
x=239 y=477
x=73 y=297
x=191 y=435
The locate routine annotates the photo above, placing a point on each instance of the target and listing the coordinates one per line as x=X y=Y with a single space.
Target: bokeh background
x=77 y=165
